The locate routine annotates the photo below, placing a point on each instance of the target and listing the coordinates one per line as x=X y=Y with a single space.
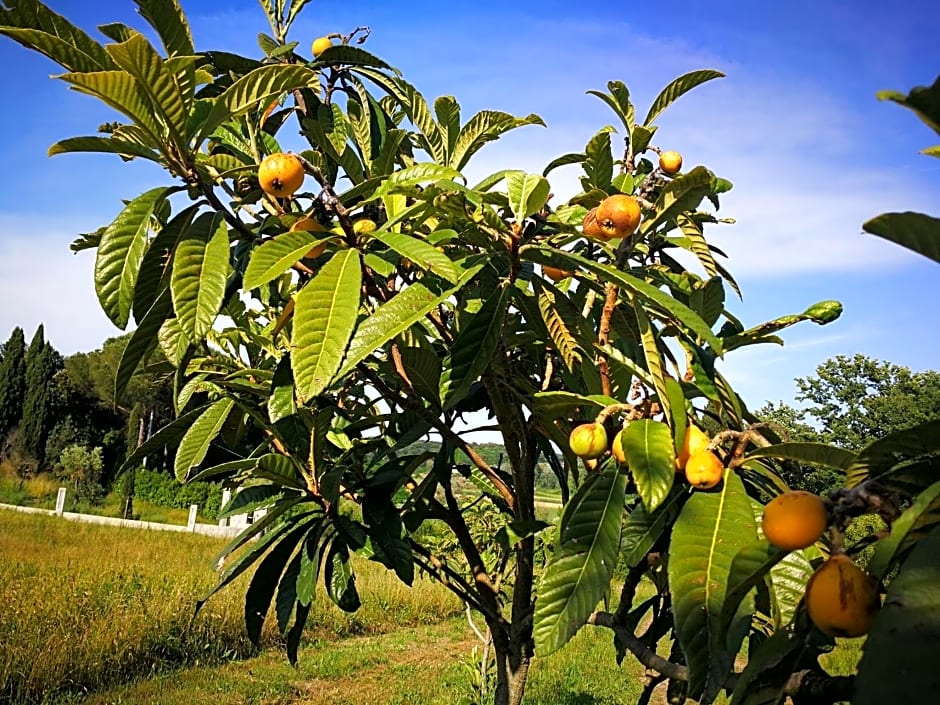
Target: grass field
x=87 y=606
x=101 y=615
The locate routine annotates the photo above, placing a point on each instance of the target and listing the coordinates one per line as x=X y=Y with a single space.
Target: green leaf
x=915 y=231
x=200 y=270
x=563 y=160
x=899 y=661
x=276 y=256
x=618 y=100
x=340 y=579
x=922 y=516
x=154 y=274
x=880 y=457
x=527 y=193
x=351 y=56
x=421 y=253
x=253 y=89
x=169 y=21
x=396 y=316
x=447 y=110
x=678 y=310
x=683 y=193
x=650 y=455
x=36 y=27
x=710 y=530
x=486 y=126
x=923 y=100
x=562 y=322
x=414 y=175
x=750 y=566
x=265 y=581
x=142 y=341
x=120 y=251
x=788 y=584
x=195 y=444
x=677 y=88
x=642 y=529
x=140 y=60
x=103 y=144
x=649 y=339
x=173 y=341
x=599 y=162
x=579 y=572
x=169 y=435
x=324 y=319
x=123 y=92
x=808 y=453
x=473 y=349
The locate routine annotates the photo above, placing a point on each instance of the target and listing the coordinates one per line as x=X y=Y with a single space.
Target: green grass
x=85 y=607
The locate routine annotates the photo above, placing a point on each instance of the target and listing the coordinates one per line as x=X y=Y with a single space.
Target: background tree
x=42 y=363
x=851 y=402
x=12 y=381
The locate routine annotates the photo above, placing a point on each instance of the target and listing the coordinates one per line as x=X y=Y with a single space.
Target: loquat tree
x=348 y=300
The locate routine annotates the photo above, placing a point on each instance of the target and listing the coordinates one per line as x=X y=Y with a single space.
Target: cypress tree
x=42 y=362
x=12 y=381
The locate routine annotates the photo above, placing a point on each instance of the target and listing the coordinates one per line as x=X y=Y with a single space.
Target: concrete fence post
x=226 y=498
x=60 y=502
x=191 y=524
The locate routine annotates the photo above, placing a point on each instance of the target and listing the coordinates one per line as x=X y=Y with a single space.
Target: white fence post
x=60 y=502
x=191 y=524
x=226 y=498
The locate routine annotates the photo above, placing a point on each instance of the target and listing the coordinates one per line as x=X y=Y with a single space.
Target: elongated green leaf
x=881 y=456
x=599 y=162
x=768 y=667
x=141 y=61
x=260 y=85
x=642 y=529
x=395 y=317
x=654 y=359
x=473 y=349
x=120 y=251
x=233 y=466
x=899 y=662
x=276 y=256
x=555 y=405
x=421 y=253
x=169 y=21
x=200 y=270
x=195 y=444
x=681 y=312
x=618 y=100
x=173 y=342
x=683 y=193
x=103 y=144
x=56 y=48
x=265 y=581
x=340 y=579
x=281 y=470
x=563 y=160
x=809 y=453
x=38 y=17
x=579 y=572
x=915 y=231
x=678 y=87
x=527 y=193
x=484 y=127
x=142 y=341
x=352 y=56
x=922 y=516
x=414 y=175
x=154 y=274
x=710 y=530
x=923 y=100
x=650 y=455
x=122 y=92
x=324 y=319
x=750 y=566
x=562 y=322
x=788 y=584
x=447 y=110
x=169 y=435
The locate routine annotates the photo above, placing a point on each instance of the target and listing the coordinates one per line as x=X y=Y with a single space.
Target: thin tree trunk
x=512 y=670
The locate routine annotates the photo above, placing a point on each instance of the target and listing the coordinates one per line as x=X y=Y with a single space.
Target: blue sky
x=795 y=125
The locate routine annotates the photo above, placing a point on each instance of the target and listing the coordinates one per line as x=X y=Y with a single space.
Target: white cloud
x=42 y=281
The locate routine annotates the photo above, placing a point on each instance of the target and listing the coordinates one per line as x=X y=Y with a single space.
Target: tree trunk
x=512 y=670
